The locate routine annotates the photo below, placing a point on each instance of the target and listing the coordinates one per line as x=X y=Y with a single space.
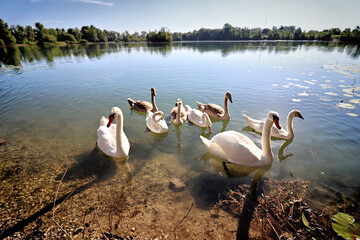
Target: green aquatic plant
x=345 y=226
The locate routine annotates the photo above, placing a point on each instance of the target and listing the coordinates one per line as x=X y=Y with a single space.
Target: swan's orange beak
x=277 y=124
x=111 y=119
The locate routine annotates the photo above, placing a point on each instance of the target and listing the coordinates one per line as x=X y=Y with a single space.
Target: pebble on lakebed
x=176 y=185
x=2 y=141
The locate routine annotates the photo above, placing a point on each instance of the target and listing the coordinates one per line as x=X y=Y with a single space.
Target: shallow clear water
x=56 y=96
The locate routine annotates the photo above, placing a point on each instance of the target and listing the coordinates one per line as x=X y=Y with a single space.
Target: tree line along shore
x=29 y=35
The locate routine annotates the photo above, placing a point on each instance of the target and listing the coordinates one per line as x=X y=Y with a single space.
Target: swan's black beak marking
x=300 y=116
x=111 y=119
x=276 y=121
x=230 y=99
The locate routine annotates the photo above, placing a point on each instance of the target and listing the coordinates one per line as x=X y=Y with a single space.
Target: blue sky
x=183 y=16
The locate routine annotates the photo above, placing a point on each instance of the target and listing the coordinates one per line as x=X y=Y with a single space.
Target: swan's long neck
x=119 y=130
x=155 y=109
x=265 y=141
x=226 y=108
x=205 y=118
x=290 y=118
x=178 y=113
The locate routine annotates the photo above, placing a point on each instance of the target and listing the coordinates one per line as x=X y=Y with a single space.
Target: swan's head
x=115 y=111
x=274 y=117
x=178 y=102
x=153 y=91
x=296 y=113
x=228 y=96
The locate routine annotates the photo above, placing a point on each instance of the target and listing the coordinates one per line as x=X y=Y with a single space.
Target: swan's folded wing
x=103 y=121
x=257 y=125
x=106 y=140
x=238 y=148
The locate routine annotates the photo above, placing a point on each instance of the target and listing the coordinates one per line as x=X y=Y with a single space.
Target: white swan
x=237 y=148
x=178 y=114
x=215 y=111
x=198 y=118
x=258 y=125
x=111 y=138
x=155 y=122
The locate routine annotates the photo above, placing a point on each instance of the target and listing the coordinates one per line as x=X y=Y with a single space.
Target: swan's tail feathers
x=248 y=119
x=206 y=142
x=213 y=148
x=200 y=105
x=131 y=102
x=103 y=121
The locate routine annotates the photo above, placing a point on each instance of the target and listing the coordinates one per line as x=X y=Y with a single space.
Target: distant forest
x=90 y=34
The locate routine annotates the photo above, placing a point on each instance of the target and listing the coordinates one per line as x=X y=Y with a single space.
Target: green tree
x=161 y=36
x=30 y=34
x=5 y=34
x=298 y=35
x=39 y=31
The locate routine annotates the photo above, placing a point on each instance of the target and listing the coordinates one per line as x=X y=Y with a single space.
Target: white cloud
x=99 y=2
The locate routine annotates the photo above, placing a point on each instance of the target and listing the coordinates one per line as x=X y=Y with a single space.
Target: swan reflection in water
x=285 y=144
x=281 y=156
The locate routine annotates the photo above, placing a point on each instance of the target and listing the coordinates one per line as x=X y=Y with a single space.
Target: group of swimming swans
x=229 y=145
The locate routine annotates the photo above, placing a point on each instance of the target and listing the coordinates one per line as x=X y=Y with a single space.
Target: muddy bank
x=90 y=195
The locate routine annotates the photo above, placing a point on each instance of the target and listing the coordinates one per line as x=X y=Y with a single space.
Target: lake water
x=53 y=98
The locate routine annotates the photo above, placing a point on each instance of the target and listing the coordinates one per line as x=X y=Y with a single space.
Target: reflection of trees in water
x=24 y=54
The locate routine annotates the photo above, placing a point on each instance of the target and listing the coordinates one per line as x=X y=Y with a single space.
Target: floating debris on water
x=325 y=86
x=331 y=93
x=352 y=114
x=300 y=86
x=356 y=101
x=309 y=82
x=348 y=70
x=352 y=91
x=303 y=94
x=346 y=105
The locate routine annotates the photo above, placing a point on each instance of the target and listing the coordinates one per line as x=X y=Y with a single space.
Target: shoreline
x=195 y=41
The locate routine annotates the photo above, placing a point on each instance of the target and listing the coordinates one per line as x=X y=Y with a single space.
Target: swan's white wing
x=238 y=148
x=103 y=121
x=106 y=139
x=157 y=126
x=194 y=117
x=242 y=138
x=257 y=125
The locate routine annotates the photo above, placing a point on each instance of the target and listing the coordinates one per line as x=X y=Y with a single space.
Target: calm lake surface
x=53 y=98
